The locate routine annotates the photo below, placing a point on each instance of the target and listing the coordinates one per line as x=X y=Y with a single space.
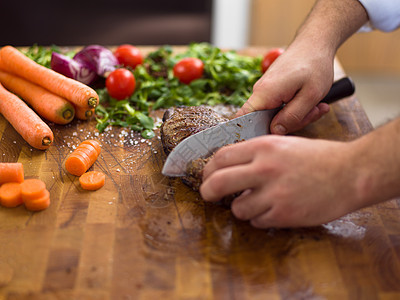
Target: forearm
x=377 y=158
x=330 y=23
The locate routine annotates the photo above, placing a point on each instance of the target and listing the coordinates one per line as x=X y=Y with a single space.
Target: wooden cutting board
x=146 y=236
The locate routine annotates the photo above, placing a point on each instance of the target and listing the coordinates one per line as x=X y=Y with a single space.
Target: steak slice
x=181 y=122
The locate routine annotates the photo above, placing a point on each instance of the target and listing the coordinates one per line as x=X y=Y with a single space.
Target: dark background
x=105 y=22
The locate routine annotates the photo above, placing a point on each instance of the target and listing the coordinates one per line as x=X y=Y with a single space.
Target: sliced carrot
x=84 y=113
x=48 y=105
x=25 y=121
x=94 y=143
x=75 y=165
x=11 y=172
x=16 y=62
x=32 y=189
x=82 y=158
x=10 y=194
x=39 y=203
x=92 y=180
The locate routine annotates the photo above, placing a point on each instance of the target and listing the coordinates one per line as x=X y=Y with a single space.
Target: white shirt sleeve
x=383 y=15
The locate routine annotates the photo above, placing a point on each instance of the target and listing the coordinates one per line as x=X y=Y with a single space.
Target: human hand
x=299 y=78
x=287 y=181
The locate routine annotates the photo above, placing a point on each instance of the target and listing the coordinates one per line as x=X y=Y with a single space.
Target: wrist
x=376 y=158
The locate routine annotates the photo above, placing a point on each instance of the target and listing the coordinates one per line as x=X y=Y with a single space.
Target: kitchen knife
x=205 y=142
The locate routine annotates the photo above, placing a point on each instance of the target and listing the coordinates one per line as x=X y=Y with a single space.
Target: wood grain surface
x=146 y=236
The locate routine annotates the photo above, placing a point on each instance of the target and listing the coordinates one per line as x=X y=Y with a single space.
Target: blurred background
x=371 y=59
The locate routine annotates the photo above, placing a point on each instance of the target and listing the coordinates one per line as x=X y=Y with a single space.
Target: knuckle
x=239 y=211
x=221 y=157
x=293 y=118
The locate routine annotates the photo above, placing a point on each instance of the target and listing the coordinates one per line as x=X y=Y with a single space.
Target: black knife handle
x=340 y=89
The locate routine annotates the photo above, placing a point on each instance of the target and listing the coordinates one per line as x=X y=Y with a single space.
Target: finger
x=291 y=117
x=315 y=114
x=226 y=182
x=228 y=156
x=250 y=204
x=269 y=93
x=264 y=221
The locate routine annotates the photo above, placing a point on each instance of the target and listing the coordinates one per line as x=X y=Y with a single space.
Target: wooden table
x=146 y=236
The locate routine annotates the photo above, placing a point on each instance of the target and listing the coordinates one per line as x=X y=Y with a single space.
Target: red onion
x=72 y=68
x=100 y=59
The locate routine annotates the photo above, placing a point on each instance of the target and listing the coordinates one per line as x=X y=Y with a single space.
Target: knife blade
x=254 y=124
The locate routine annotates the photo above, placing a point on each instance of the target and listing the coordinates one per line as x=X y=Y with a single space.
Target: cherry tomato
x=270 y=57
x=128 y=56
x=188 y=69
x=120 y=84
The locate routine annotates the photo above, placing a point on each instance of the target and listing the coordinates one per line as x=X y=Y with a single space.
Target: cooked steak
x=195 y=173
x=194 y=178
x=181 y=122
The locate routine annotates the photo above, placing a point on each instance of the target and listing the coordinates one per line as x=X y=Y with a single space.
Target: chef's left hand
x=284 y=186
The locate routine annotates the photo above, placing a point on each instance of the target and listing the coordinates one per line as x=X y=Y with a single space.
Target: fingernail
x=280 y=129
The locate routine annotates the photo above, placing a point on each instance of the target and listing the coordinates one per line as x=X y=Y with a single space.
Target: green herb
x=41 y=54
x=228 y=79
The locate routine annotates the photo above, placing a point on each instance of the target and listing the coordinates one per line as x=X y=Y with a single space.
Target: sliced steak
x=181 y=122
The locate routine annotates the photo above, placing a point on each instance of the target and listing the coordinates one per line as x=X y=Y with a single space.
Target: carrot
x=32 y=189
x=83 y=157
x=94 y=143
x=83 y=113
x=16 y=62
x=11 y=172
x=10 y=194
x=92 y=180
x=25 y=121
x=48 y=105
x=39 y=203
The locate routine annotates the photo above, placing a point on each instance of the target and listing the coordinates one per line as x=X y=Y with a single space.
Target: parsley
x=228 y=79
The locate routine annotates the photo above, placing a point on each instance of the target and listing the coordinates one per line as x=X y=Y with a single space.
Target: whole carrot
x=11 y=172
x=25 y=121
x=83 y=113
x=48 y=105
x=83 y=157
x=16 y=62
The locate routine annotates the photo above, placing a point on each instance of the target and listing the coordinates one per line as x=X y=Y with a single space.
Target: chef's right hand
x=299 y=78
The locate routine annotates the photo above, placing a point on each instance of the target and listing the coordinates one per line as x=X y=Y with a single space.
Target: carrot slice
x=25 y=121
x=11 y=172
x=39 y=203
x=48 y=105
x=32 y=189
x=83 y=157
x=10 y=194
x=92 y=180
x=14 y=61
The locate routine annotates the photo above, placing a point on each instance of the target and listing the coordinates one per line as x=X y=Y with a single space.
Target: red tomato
x=270 y=57
x=188 y=69
x=128 y=55
x=120 y=84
